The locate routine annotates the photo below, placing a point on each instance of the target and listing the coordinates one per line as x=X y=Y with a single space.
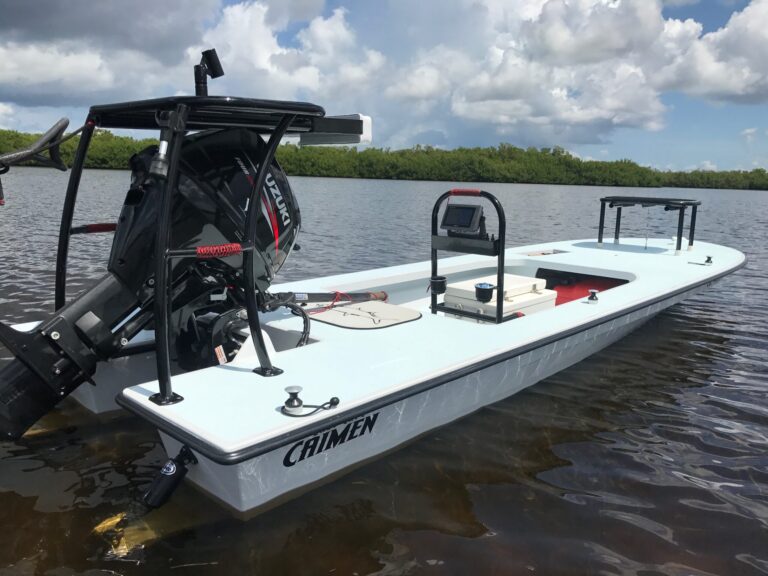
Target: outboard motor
x=216 y=175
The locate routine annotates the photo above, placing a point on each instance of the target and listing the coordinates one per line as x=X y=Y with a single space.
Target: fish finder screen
x=461 y=217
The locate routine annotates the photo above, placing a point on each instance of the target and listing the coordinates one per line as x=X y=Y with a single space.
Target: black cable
x=62 y=140
x=332 y=403
x=299 y=311
x=5 y=167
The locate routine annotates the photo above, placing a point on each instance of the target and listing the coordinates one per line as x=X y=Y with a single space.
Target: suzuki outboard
x=202 y=186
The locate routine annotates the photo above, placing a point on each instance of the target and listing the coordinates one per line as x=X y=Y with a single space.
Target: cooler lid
x=512 y=304
x=513 y=286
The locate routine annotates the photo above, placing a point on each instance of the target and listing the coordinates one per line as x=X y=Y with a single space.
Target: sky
x=673 y=84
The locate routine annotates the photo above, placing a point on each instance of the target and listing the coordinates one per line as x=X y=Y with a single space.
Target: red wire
x=336 y=299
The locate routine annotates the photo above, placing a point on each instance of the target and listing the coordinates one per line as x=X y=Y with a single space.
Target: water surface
x=648 y=458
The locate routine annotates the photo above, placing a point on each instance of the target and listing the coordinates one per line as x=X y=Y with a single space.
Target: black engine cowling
x=216 y=175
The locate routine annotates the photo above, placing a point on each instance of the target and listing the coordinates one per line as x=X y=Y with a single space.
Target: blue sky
x=711 y=14
x=674 y=84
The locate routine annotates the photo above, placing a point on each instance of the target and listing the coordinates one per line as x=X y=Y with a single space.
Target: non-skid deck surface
x=366 y=315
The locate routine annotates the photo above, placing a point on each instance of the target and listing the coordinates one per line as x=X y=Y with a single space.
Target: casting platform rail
x=670 y=204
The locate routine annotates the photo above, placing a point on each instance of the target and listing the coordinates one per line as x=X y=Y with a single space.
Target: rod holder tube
x=201 y=81
x=601 y=226
x=618 y=226
x=680 y=224
x=692 y=231
x=433 y=253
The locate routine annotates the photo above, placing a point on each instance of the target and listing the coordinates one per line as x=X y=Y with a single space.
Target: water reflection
x=648 y=458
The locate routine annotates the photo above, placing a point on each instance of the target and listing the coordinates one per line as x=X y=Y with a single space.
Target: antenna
x=210 y=65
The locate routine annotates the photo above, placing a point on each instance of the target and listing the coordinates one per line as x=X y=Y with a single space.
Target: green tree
x=502 y=163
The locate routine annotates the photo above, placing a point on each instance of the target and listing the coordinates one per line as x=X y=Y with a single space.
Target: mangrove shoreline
x=504 y=163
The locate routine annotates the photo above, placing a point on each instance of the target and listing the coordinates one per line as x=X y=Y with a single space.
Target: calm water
x=648 y=458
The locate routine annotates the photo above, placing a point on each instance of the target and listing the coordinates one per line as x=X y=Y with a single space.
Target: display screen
x=460 y=216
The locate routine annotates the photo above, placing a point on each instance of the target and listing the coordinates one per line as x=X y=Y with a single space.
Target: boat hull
x=268 y=479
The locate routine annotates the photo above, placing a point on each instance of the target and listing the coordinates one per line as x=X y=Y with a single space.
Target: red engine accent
x=219 y=250
x=94 y=228
x=465 y=192
x=100 y=227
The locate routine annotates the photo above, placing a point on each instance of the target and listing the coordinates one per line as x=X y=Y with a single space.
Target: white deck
x=231 y=408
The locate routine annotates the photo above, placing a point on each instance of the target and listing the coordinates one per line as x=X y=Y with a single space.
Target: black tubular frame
x=266 y=368
x=68 y=212
x=176 y=122
x=493 y=247
x=670 y=204
x=175 y=116
x=164 y=256
x=204 y=112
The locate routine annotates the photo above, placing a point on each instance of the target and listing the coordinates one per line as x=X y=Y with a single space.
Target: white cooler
x=522 y=294
x=513 y=286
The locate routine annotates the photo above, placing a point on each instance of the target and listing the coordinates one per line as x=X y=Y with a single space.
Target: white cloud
x=424 y=82
x=580 y=69
x=536 y=72
x=28 y=65
x=569 y=32
x=325 y=40
x=574 y=72
x=433 y=74
x=725 y=65
x=281 y=12
x=327 y=62
x=68 y=73
x=6 y=111
x=161 y=32
x=749 y=134
x=677 y=3
x=251 y=55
